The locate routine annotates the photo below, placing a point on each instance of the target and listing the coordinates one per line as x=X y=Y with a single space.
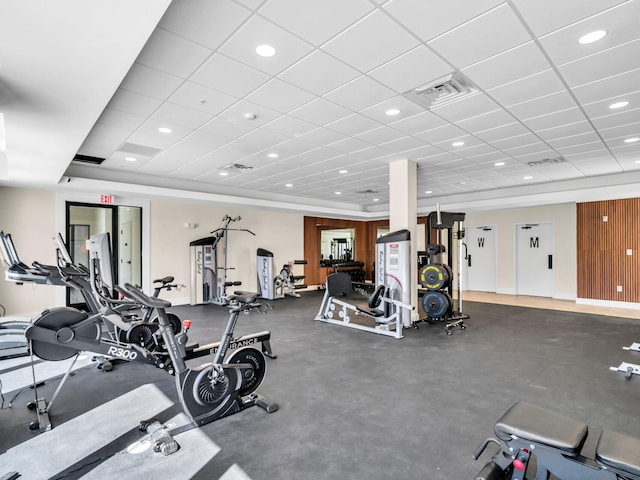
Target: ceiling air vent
x=88 y=159
x=547 y=162
x=448 y=89
x=238 y=167
x=367 y=191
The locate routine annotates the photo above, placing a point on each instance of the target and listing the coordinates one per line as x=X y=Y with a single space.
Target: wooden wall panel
x=365 y=244
x=603 y=262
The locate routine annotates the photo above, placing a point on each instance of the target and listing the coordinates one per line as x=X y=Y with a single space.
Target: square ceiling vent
x=451 y=88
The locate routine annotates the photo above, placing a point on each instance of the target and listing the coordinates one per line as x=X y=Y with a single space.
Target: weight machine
x=272 y=287
x=209 y=279
x=390 y=304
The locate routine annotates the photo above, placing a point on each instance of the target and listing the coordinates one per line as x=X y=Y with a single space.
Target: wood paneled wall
x=365 y=244
x=603 y=262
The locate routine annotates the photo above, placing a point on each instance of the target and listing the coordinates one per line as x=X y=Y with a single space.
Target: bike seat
x=244 y=297
x=168 y=279
x=619 y=451
x=542 y=426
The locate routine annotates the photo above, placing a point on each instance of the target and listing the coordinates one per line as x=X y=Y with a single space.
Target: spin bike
x=208 y=392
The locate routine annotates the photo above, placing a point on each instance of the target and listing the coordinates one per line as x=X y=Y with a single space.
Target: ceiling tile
x=556 y=119
x=630 y=130
x=598 y=167
x=228 y=127
x=305 y=73
x=348 y=145
x=428 y=21
x=588 y=137
x=229 y=76
x=279 y=96
x=469 y=43
x=186 y=117
x=417 y=67
x=321 y=137
x=316 y=22
x=487 y=121
x=289 y=125
x=527 y=88
x=117 y=118
x=602 y=64
x=621 y=118
x=203 y=21
x=150 y=82
x=198 y=97
x=261 y=115
x=441 y=134
x=418 y=123
x=353 y=125
x=610 y=87
x=509 y=66
x=320 y=112
x=577 y=149
x=601 y=108
x=520 y=140
x=563 y=131
x=380 y=135
x=543 y=105
x=257 y=31
x=407 y=109
x=620 y=22
x=170 y=53
x=363 y=45
x=468 y=107
x=543 y=16
x=360 y=93
x=402 y=144
x=101 y=147
x=132 y=102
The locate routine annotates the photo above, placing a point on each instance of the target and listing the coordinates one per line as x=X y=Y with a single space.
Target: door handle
x=550 y=262
x=469 y=260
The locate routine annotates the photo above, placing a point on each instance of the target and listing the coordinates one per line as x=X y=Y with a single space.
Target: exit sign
x=107 y=199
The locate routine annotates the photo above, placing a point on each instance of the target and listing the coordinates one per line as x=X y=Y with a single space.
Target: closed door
x=534 y=259
x=124 y=274
x=480 y=272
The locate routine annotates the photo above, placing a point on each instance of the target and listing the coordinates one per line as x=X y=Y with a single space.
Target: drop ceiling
x=99 y=79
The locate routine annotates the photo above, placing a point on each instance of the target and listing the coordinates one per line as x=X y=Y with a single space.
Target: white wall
x=563 y=217
x=280 y=233
x=29 y=216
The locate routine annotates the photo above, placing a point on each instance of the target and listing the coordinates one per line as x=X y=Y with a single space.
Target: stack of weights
x=436 y=278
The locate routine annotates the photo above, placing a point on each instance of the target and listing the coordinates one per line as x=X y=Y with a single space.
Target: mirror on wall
x=337 y=245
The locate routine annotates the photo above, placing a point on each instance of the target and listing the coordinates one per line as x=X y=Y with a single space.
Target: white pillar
x=403 y=213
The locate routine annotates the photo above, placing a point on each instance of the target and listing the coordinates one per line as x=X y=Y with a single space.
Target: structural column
x=403 y=213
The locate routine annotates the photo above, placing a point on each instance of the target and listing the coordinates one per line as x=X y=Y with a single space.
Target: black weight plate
x=434 y=276
x=436 y=304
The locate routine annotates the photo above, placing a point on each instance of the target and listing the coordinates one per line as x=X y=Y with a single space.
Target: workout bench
x=340 y=300
x=556 y=441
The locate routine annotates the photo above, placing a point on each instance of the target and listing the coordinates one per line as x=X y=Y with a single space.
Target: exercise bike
x=528 y=432
x=208 y=392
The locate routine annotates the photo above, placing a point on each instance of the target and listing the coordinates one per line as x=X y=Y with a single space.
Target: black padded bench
x=538 y=425
x=619 y=451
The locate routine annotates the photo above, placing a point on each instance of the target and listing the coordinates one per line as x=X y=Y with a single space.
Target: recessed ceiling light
x=250 y=116
x=224 y=174
x=528 y=177
x=164 y=130
x=463 y=183
x=376 y=199
x=632 y=140
x=392 y=112
x=498 y=164
x=289 y=185
x=272 y=155
x=592 y=37
x=338 y=193
x=428 y=192
x=265 y=50
x=613 y=106
x=343 y=171
x=637 y=161
x=130 y=159
x=457 y=144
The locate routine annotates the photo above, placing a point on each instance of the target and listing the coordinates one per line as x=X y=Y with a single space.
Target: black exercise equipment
x=527 y=432
x=208 y=392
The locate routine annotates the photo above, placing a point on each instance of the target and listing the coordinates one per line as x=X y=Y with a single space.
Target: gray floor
x=355 y=405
